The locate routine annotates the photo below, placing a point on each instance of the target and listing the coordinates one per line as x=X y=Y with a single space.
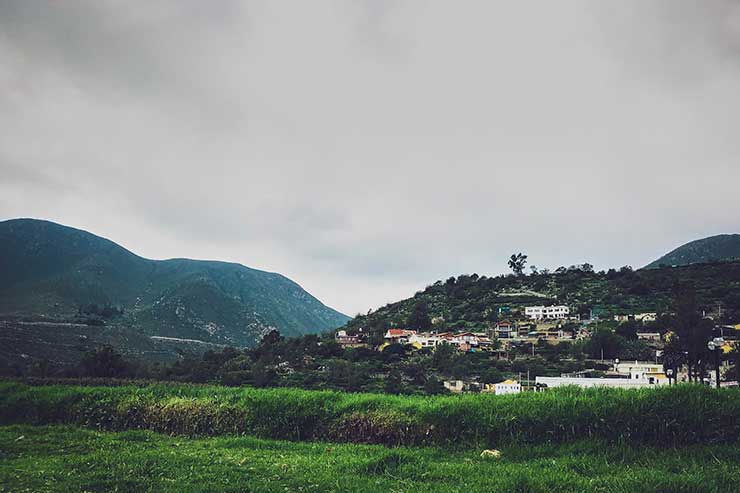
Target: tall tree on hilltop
x=517 y=261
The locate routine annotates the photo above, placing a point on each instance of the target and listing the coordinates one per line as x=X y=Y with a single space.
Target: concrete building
x=507 y=387
x=350 y=341
x=653 y=373
x=640 y=317
x=455 y=386
x=558 y=312
x=505 y=330
x=423 y=340
x=649 y=336
x=624 y=383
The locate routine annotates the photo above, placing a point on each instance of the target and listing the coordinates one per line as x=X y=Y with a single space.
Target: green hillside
x=53 y=272
x=470 y=301
x=712 y=249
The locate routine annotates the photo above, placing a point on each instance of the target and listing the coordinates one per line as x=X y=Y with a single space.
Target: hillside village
x=536 y=327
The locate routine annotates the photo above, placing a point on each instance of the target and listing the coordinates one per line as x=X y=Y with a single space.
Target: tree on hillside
x=629 y=329
x=393 y=383
x=606 y=343
x=434 y=386
x=517 y=261
x=419 y=317
x=692 y=329
x=104 y=362
x=673 y=356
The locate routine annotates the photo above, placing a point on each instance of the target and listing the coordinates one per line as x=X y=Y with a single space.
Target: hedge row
x=669 y=416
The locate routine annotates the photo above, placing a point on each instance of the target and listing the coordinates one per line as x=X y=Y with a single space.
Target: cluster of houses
x=546 y=323
x=629 y=374
x=464 y=341
x=506 y=330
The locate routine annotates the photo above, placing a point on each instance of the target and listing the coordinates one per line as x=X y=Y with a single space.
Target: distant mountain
x=718 y=248
x=53 y=272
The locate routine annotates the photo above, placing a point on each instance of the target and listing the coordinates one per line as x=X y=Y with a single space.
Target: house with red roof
x=399 y=336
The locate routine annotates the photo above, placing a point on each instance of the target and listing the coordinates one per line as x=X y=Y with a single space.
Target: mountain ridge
x=53 y=270
x=716 y=248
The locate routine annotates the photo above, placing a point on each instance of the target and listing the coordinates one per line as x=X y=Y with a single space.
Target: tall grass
x=664 y=416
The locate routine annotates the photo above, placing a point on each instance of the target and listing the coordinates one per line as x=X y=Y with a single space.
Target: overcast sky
x=368 y=148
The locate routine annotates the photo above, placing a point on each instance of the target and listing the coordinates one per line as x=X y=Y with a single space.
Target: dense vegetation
x=683 y=414
x=312 y=362
x=61 y=458
x=53 y=272
x=713 y=249
x=473 y=302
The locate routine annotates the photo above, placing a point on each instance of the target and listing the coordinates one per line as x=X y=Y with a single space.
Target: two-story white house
x=547 y=312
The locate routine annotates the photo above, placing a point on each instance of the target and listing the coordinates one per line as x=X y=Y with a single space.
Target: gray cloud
x=367 y=148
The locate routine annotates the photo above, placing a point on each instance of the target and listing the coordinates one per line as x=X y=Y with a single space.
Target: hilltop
x=472 y=301
x=712 y=249
x=54 y=273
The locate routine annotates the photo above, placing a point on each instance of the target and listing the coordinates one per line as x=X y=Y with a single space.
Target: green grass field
x=679 y=415
x=65 y=458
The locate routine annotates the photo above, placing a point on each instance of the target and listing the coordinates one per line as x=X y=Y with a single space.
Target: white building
x=649 y=336
x=425 y=340
x=455 y=386
x=508 y=387
x=400 y=336
x=640 y=317
x=642 y=370
x=547 y=312
x=624 y=383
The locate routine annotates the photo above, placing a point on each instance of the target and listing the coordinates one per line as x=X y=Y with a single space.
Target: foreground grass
x=679 y=415
x=65 y=458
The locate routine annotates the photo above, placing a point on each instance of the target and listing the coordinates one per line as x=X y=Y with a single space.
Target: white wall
x=594 y=382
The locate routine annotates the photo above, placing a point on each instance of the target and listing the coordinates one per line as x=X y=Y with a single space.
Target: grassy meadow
x=65 y=458
x=669 y=416
x=179 y=438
